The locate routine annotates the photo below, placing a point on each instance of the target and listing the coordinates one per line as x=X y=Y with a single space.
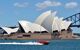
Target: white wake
x=25 y=43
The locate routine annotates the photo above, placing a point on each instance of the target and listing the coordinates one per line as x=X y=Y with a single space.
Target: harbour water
x=54 y=45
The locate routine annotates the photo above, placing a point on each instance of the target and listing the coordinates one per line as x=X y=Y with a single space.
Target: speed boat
x=44 y=42
x=26 y=43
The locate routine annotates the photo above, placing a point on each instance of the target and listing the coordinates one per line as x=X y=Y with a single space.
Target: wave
x=25 y=43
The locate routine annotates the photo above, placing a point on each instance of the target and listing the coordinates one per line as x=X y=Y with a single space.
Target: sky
x=12 y=11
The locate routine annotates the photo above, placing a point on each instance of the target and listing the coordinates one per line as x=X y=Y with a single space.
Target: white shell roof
x=59 y=24
x=42 y=17
x=51 y=22
x=56 y=24
x=36 y=27
x=46 y=20
x=9 y=30
x=66 y=24
x=28 y=26
x=25 y=25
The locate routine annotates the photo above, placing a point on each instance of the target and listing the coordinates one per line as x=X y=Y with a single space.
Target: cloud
x=21 y=5
x=47 y=3
x=71 y=5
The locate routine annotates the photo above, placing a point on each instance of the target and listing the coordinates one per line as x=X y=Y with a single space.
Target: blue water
x=54 y=45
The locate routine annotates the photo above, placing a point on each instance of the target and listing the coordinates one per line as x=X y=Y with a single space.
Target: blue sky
x=11 y=11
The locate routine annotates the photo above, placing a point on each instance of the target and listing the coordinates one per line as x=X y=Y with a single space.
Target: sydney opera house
x=46 y=26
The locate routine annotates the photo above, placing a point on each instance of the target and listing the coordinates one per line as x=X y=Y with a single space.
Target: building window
x=26 y=35
x=37 y=32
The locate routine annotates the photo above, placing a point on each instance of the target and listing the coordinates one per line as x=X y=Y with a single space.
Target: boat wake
x=17 y=43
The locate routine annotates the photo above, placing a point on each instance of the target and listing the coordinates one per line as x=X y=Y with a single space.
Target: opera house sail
x=45 y=20
x=9 y=30
x=52 y=22
x=28 y=26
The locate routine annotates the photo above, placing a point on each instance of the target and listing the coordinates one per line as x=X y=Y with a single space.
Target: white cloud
x=47 y=3
x=71 y=5
x=23 y=5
